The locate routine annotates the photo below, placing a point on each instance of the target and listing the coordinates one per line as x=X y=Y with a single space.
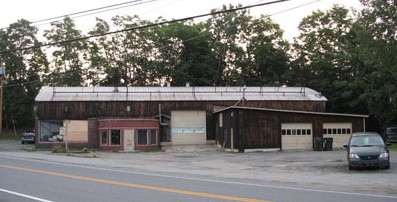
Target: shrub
x=58 y=148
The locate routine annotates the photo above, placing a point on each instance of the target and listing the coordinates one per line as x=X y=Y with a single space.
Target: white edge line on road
x=24 y=195
x=203 y=180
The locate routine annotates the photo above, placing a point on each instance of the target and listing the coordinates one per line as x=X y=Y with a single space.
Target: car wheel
x=387 y=167
x=23 y=142
x=351 y=168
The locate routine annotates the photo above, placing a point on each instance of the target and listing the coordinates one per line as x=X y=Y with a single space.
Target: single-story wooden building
x=246 y=128
x=136 y=118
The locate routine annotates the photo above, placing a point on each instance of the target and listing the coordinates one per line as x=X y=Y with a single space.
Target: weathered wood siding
x=84 y=110
x=254 y=129
x=80 y=110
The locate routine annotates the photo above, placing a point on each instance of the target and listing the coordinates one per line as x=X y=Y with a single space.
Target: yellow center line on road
x=140 y=186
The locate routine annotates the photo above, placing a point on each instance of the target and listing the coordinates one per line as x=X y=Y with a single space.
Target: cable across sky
x=146 y=26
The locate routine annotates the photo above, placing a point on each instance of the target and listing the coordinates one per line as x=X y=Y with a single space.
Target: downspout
x=161 y=123
x=160 y=113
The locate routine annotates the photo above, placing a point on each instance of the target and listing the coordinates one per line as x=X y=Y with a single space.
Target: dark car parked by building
x=390 y=134
x=367 y=149
x=28 y=137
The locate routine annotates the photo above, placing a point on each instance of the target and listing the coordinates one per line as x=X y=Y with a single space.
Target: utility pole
x=2 y=74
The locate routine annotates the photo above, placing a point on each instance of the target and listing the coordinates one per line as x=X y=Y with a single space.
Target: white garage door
x=340 y=132
x=188 y=127
x=296 y=136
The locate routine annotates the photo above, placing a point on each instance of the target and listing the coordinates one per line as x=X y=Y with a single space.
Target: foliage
x=58 y=148
x=377 y=30
x=349 y=57
x=392 y=147
x=24 y=70
x=249 y=51
x=323 y=54
x=67 y=66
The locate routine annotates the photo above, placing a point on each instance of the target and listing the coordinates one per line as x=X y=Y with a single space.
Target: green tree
x=97 y=54
x=266 y=57
x=323 y=57
x=250 y=50
x=24 y=71
x=67 y=67
x=377 y=30
x=123 y=57
x=194 y=61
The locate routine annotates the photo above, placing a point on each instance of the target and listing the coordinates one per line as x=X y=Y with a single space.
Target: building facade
x=245 y=128
x=136 y=118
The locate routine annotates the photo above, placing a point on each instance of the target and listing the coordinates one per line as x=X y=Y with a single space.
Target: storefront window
x=104 y=137
x=115 y=137
x=142 y=137
x=147 y=137
x=50 y=131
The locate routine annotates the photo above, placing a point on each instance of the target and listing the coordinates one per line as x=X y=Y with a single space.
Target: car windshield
x=366 y=141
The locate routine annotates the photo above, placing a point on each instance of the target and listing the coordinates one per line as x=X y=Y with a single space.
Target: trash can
x=318 y=144
x=328 y=144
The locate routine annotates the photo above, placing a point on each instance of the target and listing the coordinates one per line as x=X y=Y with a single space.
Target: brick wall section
x=128 y=123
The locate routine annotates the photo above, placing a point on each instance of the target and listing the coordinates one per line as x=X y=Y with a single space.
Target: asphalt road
x=187 y=176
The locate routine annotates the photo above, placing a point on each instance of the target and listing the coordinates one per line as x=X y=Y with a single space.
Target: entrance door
x=129 y=143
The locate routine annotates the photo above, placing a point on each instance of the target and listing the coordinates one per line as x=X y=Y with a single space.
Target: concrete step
x=190 y=148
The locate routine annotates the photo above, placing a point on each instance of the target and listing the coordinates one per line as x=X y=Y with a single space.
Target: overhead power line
x=90 y=12
x=145 y=26
x=87 y=11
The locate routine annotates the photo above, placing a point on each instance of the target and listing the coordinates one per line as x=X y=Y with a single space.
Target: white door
x=339 y=132
x=129 y=143
x=296 y=136
x=188 y=127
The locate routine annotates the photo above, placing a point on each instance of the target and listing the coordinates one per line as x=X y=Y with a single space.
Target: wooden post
x=66 y=135
x=15 y=131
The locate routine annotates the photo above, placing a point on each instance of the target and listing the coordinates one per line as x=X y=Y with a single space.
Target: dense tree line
x=348 y=56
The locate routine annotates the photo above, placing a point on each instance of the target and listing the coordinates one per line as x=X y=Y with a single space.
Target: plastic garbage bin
x=328 y=144
x=318 y=144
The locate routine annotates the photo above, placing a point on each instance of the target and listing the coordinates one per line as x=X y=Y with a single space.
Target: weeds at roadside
x=392 y=147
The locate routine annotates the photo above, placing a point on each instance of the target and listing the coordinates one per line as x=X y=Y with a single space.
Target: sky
x=287 y=14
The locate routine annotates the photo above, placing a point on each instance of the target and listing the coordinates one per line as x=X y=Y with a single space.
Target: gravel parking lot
x=325 y=170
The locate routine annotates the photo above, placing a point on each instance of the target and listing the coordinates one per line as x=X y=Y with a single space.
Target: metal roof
x=291 y=111
x=177 y=94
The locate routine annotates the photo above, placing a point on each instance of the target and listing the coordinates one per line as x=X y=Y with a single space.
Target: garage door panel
x=296 y=136
x=188 y=127
x=339 y=132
